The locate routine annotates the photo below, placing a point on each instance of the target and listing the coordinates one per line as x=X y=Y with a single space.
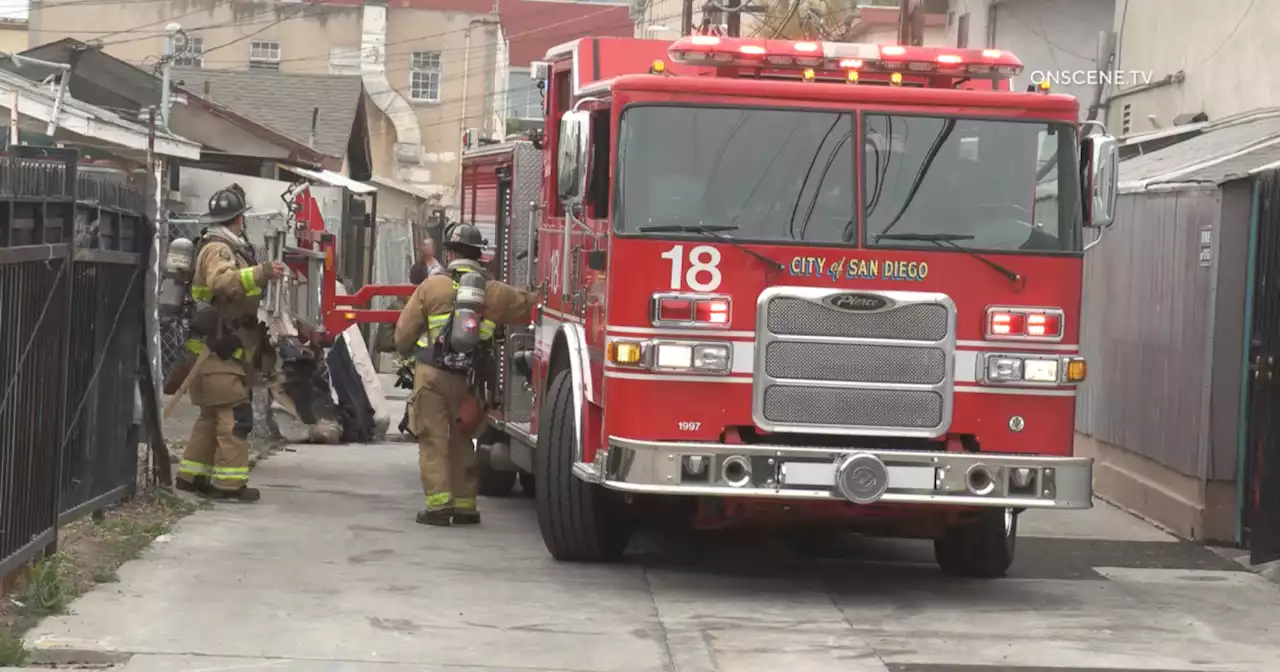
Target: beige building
x=1181 y=58
x=430 y=71
x=869 y=21
x=13 y=35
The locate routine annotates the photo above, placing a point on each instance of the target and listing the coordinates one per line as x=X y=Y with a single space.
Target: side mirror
x=1101 y=179
x=574 y=157
x=540 y=71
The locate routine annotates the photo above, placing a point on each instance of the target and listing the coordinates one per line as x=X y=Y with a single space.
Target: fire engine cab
x=792 y=282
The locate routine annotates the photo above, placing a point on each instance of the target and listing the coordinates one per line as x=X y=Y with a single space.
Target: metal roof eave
x=333 y=179
x=87 y=120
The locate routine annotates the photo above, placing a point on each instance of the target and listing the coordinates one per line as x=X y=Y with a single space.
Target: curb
x=1267 y=570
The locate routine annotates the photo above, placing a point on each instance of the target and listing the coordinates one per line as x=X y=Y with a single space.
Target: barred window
x=264 y=55
x=424 y=76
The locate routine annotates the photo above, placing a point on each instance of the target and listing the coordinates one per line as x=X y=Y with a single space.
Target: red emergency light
x=690 y=310
x=846 y=57
x=1024 y=324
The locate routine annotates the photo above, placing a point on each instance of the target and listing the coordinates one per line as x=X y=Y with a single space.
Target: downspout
x=373 y=71
x=466 y=80
x=1242 y=423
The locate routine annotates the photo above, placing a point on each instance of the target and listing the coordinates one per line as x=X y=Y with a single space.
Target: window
x=1126 y=119
x=344 y=60
x=424 y=76
x=192 y=57
x=598 y=196
x=524 y=99
x=777 y=175
x=986 y=184
x=264 y=55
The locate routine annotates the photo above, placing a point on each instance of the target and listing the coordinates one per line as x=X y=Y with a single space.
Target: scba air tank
x=468 y=304
x=176 y=277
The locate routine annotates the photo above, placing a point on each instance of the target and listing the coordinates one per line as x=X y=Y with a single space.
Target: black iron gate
x=71 y=265
x=1263 y=427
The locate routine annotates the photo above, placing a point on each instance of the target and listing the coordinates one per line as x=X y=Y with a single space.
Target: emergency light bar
x=850 y=57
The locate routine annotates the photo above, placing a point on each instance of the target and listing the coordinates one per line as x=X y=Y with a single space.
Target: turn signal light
x=625 y=353
x=1076 y=370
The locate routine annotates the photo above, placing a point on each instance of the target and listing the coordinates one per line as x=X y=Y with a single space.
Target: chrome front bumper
x=860 y=476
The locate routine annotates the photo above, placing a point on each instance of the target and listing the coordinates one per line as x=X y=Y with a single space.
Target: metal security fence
x=71 y=267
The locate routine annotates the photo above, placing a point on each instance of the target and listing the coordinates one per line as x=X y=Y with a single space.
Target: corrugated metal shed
x=1225 y=151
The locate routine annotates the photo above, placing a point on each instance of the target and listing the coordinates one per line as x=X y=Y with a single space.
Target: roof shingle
x=284 y=102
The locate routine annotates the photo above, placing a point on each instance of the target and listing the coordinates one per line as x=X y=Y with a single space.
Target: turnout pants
x=219 y=445
x=446 y=456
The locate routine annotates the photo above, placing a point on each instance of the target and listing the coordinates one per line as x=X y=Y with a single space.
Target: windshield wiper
x=714 y=232
x=947 y=126
x=949 y=240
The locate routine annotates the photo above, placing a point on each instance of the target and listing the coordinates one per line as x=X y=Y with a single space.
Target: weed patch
x=90 y=551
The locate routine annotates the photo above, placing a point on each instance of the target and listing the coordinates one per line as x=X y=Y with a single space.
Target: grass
x=90 y=551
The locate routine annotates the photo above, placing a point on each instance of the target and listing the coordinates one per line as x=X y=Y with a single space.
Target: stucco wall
x=1046 y=35
x=1228 y=58
x=308 y=36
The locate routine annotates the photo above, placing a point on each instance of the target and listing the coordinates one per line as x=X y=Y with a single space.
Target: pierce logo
x=857 y=302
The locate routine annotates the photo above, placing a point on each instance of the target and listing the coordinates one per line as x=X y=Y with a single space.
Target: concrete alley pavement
x=330 y=573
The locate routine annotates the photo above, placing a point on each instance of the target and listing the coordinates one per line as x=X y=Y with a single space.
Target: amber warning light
x=843 y=57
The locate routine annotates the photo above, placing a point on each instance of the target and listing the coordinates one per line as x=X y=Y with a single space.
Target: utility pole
x=149 y=364
x=1105 y=57
x=686 y=19
x=735 y=18
x=910 y=23
x=177 y=46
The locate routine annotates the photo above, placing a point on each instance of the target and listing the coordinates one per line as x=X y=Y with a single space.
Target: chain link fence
x=394 y=254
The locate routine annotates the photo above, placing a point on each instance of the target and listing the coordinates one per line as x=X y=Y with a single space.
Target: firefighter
x=444 y=316
x=227 y=287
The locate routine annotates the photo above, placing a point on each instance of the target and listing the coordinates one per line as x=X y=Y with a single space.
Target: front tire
x=981 y=549
x=580 y=521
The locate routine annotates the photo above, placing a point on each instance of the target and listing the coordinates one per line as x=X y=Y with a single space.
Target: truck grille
x=886 y=372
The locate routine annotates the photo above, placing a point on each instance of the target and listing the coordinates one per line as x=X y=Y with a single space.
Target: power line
x=1232 y=35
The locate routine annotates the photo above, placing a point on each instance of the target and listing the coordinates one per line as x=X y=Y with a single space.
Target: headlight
x=1004 y=369
x=711 y=357
x=673 y=356
x=692 y=357
x=1023 y=369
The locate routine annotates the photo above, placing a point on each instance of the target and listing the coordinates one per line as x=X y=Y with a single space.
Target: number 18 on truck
x=792 y=285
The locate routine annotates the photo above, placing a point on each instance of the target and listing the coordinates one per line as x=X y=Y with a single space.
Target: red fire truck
x=735 y=330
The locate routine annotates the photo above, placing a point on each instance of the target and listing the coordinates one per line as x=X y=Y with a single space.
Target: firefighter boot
x=198 y=484
x=438 y=517
x=245 y=494
x=466 y=517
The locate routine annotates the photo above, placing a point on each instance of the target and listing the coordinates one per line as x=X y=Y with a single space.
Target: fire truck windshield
x=1003 y=185
x=778 y=175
